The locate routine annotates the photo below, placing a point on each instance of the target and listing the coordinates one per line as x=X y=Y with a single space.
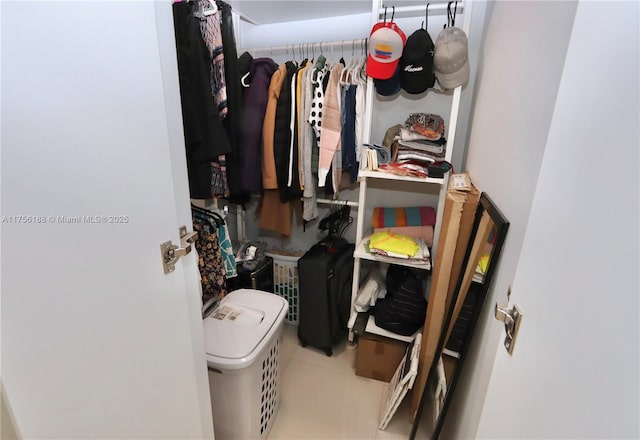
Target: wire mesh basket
x=285 y=280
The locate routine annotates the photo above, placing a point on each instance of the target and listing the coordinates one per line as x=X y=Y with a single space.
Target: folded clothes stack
x=415 y=147
x=398 y=246
x=425 y=233
x=403 y=216
x=421 y=138
x=377 y=155
x=415 y=222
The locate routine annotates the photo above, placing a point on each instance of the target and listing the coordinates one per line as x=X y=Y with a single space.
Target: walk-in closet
x=327 y=150
x=252 y=219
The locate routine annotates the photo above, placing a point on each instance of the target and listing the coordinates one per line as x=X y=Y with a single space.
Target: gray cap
x=451 y=58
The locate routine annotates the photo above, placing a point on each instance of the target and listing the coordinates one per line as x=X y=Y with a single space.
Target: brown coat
x=274 y=215
x=269 y=180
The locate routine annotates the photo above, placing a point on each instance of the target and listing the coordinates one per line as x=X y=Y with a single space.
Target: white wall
x=577 y=358
x=296 y=31
x=572 y=248
x=517 y=85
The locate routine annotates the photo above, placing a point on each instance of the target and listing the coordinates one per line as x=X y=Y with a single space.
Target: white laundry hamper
x=243 y=343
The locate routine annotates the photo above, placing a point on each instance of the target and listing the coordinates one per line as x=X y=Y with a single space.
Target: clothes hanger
x=212 y=9
x=244 y=79
x=321 y=59
x=345 y=77
x=360 y=71
x=203 y=212
x=206 y=214
x=205 y=220
x=359 y=74
x=203 y=13
x=338 y=220
x=353 y=63
x=342 y=61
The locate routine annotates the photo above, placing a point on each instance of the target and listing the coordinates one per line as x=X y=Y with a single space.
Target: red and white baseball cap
x=386 y=43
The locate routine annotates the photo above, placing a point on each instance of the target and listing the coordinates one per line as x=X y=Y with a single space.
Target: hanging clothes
x=349 y=132
x=245 y=164
x=307 y=144
x=282 y=139
x=315 y=115
x=359 y=78
x=299 y=125
x=210 y=263
x=274 y=215
x=212 y=37
x=319 y=79
x=331 y=128
x=294 y=184
x=269 y=176
x=226 y=251
x=219 y=187
x=233 y=121
x=205 y=137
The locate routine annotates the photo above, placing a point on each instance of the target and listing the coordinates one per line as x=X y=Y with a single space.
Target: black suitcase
x=325 y=274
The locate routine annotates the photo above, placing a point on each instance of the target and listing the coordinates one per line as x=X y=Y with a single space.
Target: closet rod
x=337 y=202
x=328 y=44
x=420 y=8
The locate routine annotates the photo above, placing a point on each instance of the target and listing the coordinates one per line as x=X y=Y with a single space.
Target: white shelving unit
x=359 y=322
x=362 y=238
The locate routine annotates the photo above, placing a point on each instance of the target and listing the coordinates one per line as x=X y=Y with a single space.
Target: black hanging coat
x=244 y=166
x=204 y=136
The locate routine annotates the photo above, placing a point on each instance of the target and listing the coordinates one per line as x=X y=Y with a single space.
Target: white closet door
x=97 y=342
x=574 y=370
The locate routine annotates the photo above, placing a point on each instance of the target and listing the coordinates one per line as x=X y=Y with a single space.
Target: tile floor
x=322 y=398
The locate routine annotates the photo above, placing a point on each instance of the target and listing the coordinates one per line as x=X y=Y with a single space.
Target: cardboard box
x=378 y=357
x=457 y=222
x=469 y=206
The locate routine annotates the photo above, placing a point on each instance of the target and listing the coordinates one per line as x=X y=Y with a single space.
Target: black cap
x=416 y=63
x=389 y=87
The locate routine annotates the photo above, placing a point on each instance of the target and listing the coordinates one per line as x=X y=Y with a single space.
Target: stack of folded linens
x=415 y=222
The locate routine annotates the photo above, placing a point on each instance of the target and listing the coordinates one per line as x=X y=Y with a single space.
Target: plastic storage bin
x=243 y=337
x=285 y=280
x=260 y=278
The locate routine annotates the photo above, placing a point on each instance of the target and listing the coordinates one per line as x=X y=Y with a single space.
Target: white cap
x=451 y=58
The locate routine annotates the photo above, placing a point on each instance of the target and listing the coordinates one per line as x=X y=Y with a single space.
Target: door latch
x=171 y=253
x=512 y=318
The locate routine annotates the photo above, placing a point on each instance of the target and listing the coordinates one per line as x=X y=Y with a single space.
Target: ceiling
x=278 y=11
x=267 y=11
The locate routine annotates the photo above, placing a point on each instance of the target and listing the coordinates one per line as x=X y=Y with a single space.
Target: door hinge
x=171 y=253
x=512 y=318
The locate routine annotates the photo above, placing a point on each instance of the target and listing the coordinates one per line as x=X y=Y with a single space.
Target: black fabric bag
x=403 y=309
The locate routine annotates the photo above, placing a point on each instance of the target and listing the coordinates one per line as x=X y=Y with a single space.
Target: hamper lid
x=240 y=326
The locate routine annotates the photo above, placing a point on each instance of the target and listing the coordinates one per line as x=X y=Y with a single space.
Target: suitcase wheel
x=329 y=352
